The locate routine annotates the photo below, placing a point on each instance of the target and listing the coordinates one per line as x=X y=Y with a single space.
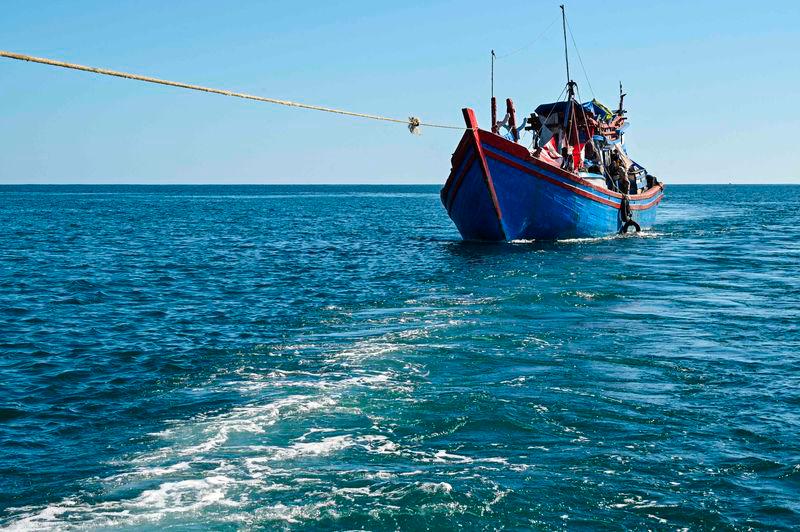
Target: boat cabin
x=588 y=140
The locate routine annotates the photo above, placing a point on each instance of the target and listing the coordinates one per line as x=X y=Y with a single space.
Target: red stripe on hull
x=578 y=190
x=640 y=207
x=455 y=163
x=457 y=183
x=522 y=153
x=472 y=125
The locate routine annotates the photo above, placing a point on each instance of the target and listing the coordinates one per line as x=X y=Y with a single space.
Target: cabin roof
x=552 y=108
x=593 y=108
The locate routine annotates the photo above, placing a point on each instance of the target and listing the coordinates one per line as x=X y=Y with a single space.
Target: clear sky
x=712 y=86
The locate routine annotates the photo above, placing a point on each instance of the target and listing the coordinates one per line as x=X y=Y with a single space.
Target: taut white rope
x=413 y=123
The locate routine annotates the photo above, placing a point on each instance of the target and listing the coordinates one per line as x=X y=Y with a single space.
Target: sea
x=337 y=358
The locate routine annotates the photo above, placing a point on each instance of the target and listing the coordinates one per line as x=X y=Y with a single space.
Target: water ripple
x=336 y=358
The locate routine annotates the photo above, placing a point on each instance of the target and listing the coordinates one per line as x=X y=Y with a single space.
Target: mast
x=492 y=73
x=621 y=110
x=566 y=52
x=495 y=127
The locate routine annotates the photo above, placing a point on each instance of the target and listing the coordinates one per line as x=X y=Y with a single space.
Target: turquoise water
x=335 y=358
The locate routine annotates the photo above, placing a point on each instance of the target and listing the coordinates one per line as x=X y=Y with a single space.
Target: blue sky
x=712 y=86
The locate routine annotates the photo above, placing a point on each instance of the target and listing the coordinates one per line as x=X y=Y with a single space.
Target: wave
x=591 y=240
x=218 y=464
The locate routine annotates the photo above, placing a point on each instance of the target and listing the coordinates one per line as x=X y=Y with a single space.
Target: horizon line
x=359 y=183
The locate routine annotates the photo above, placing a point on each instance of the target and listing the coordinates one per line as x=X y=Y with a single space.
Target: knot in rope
x=413 y=125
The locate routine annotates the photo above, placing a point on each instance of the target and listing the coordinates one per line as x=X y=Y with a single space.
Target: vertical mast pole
x=492 y=73
x=565 y=151
x=495 y=128
x=566 y=52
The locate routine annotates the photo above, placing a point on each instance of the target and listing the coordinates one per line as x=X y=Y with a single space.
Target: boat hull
x=498 y=191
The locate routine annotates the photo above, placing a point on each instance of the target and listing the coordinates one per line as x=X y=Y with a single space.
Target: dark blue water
x=334 y=357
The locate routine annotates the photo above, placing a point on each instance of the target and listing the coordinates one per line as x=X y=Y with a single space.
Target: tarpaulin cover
x=594 y=108
x=552 y=108
x=598 y=110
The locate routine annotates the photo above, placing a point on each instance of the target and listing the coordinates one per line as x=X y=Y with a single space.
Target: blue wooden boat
x=499 y=190
x=573 y=180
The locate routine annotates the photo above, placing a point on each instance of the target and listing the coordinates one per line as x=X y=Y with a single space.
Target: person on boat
x=634 y=187
x=616 y=173
x=566 y=159
x=589 y=152
x=621 y=179
x=591 y=159
x=613 y=162
x=609 y=182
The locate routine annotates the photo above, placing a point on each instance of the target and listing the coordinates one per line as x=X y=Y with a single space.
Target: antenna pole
x=492 y=73
x=564 y=28
x=495 y=127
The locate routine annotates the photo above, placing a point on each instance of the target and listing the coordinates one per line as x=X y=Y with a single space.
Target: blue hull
x=497 y=191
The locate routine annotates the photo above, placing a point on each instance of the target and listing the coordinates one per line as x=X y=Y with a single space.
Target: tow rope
x=413 y=123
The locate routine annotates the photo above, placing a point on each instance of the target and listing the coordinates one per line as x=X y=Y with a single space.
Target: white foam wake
x=217 y=464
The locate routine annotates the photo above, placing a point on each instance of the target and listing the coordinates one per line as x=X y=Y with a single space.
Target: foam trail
x=217 y=464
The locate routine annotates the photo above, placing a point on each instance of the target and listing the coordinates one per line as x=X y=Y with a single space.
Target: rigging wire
x=585 y=121
x=521 y=48
x=544 y=122
x=413 y=123
x=580 y=59
x=531 y=43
